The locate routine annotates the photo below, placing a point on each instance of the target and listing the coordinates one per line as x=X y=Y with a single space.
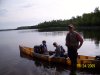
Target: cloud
x=27 y=5
x=3 y=12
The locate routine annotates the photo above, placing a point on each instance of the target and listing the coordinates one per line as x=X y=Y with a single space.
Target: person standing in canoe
x=73 y=42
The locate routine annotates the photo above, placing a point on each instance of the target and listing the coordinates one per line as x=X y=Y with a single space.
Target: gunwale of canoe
x=80 y=60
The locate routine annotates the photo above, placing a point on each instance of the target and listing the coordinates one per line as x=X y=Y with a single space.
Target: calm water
x=11 y=63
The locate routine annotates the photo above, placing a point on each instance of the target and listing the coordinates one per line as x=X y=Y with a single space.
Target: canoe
x=82 y=61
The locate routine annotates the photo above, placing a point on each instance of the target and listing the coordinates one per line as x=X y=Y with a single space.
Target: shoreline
x=57 y=28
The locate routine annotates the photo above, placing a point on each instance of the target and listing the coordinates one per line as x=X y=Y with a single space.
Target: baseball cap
x=70 y=26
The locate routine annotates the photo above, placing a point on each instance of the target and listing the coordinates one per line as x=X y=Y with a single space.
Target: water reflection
x=94 y=35
x=54 y=33
x=91 y=34
x=44 y=64
x=27 y=31
x=48 y=68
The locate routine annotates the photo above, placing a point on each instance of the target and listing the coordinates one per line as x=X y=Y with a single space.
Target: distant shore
x=7 y=29
x=56 y=28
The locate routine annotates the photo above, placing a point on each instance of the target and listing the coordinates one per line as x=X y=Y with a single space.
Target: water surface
x=11 y=63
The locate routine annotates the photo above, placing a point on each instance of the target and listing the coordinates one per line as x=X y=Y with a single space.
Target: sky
x=15 y=13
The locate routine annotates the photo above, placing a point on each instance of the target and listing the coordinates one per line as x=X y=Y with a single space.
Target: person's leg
x=72 y=53
x=74 y=62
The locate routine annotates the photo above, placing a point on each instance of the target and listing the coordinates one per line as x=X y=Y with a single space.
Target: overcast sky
x=15 y=13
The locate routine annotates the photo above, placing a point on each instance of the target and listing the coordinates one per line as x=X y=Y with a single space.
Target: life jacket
x=62 y=49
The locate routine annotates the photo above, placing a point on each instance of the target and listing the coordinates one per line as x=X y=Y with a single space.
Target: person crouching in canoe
x=59 y=51
x=44 y=47
x=73 y=42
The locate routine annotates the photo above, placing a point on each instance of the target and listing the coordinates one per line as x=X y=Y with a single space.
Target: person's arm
x=66 y=40
x=80 y=40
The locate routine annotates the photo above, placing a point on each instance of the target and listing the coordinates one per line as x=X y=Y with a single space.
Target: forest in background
x=89 y=20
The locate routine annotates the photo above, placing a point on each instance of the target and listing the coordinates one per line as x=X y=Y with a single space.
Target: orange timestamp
x=86 y=65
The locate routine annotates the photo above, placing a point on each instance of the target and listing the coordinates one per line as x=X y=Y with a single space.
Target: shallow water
x=11 y=63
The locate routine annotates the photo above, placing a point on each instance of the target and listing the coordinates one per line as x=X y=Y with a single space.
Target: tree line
x=86 y=20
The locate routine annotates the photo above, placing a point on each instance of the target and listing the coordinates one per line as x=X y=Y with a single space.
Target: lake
x=12 y=63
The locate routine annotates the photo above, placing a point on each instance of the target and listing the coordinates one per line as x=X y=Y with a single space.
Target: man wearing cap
x=73 y=42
